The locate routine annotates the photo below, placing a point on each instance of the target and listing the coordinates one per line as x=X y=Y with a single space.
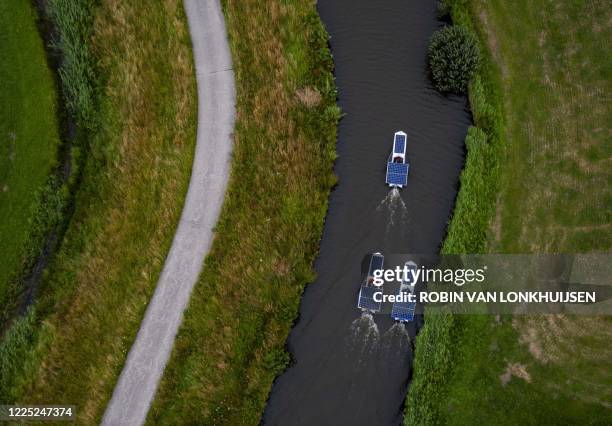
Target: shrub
x=453 y=58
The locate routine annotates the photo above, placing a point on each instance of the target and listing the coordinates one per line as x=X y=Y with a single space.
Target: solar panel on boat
x=376 y=263
x=366 y=299
x=403 y=311
x=397 y=168
x=400 y=143
x=397 y=173
x=395 y=179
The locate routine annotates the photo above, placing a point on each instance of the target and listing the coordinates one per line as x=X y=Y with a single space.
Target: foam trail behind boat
x=393 y=205
x=364 y=335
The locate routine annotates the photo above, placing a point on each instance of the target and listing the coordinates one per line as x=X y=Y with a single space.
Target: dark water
x=351 y=368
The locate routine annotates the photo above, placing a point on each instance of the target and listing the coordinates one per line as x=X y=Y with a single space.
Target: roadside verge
x=231 y=344
x=216 y=112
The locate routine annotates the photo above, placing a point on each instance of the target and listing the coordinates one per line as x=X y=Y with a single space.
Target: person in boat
x=397 y=160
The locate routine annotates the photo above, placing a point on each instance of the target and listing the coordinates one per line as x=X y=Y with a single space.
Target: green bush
x=453 y=58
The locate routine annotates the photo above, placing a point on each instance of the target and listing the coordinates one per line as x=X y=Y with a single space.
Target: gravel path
x=149 y=354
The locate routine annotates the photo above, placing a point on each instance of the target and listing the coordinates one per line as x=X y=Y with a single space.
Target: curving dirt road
x=149 y=354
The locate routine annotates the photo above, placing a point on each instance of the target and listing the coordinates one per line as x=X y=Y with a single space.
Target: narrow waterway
x=348 y=367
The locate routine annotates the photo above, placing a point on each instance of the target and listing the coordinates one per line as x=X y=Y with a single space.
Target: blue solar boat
x=366 y=300
x=397 y=166
x=403 y=311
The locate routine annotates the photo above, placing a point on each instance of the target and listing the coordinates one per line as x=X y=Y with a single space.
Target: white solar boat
x=404 y=311
x=366 y=300
x=397 y=166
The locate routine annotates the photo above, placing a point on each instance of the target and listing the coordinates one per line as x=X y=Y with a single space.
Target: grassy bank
x=29 y=142
x=140 y=109
x=538 y=184
x=231 y=344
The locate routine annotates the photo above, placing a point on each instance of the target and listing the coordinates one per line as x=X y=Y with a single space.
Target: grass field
x=72 y=345
x=29 y=139
x=549 y=63
x=557 y=76
x=231 y=344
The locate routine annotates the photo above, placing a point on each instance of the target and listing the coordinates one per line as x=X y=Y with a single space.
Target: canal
x=348 y=367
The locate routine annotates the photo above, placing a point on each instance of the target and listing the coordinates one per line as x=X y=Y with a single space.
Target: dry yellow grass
x=231 y=344
x=577 y=347
x=127 y=208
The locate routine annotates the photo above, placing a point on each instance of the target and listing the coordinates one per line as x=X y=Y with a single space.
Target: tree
x=453 y=58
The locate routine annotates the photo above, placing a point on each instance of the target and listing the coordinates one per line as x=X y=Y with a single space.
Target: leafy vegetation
x=467 y=232
x=74 y=22
x=550 y=369
x=29 y=141
x=226 y=355
x=453 y=58
x=139 y=80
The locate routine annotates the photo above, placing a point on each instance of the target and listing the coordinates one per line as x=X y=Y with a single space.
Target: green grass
x=74 y=23
x=231 y=344
x=558 y=123
x=542 y=188
x=138 y=151
x=29 y=140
